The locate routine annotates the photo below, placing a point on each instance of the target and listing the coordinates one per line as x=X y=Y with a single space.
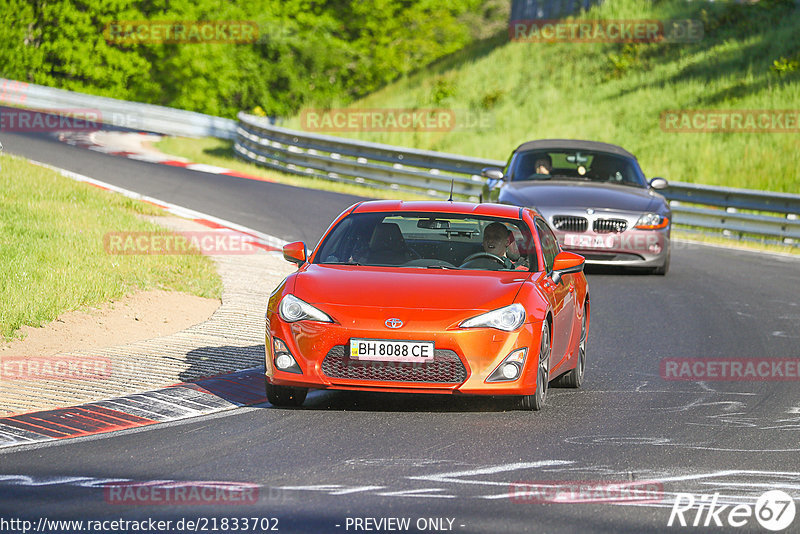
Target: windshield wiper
x=441 y=267
x=340 y=263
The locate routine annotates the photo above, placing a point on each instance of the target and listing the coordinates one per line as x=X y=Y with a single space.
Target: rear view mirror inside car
x=433 y=224
x=577 y=158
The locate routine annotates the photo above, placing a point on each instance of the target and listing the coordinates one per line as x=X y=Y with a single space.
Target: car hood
x=387 y=288
x=563 y=194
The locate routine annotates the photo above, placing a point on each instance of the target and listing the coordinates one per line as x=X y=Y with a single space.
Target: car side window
x=549 y=243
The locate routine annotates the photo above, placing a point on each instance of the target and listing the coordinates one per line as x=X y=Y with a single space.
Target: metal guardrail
x=116 y=112
x=426 y=172
x=373 y=164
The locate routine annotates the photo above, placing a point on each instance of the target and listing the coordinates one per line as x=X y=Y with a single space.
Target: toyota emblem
x=393 y=323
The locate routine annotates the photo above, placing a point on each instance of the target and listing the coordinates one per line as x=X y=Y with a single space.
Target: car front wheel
x=574 y=378
x=535 y=402
x=663 y=269
x=285 y=395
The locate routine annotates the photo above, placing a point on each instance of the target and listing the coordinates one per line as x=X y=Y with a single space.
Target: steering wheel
x=489 y=255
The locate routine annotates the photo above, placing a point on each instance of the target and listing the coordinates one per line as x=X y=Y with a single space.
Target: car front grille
x=446 y=368
x=607 y=226
x=570 y=223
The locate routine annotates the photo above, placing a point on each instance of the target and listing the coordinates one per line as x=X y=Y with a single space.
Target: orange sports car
x=429 y=297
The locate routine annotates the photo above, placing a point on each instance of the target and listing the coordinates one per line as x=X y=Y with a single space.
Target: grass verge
x=732 y=242
x=52 y=258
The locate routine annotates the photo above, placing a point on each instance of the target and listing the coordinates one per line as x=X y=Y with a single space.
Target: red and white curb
x=248 y=235
x=174 y=403
x=130 y=147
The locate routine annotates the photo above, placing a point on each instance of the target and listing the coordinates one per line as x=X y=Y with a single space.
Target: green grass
x=616 y=92
x=732 y=242
x=219 y=152
x=52 y=258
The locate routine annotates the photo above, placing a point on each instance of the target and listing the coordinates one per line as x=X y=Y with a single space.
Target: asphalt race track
x=348 y=462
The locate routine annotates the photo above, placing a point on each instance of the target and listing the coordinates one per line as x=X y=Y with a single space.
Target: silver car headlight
x=507 y=318
x=652 y=221
x=293 y=309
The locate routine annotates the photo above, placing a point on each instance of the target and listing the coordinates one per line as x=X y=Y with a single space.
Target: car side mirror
x=492 y=173
x=565 y=263
x=658 y=183
x=295 y=252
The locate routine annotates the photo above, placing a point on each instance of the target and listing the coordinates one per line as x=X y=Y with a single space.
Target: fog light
x=510 y=368
x=283 y=362
x=510 y=371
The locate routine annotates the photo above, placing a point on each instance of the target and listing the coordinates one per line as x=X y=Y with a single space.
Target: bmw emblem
x=393 y=323
x=589 y=211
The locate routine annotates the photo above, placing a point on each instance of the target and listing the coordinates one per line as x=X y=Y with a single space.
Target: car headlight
x=652 y=221
x=292 y=309
x=507 y=318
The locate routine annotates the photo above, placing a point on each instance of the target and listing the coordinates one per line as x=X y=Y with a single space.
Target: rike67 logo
x=774 y=510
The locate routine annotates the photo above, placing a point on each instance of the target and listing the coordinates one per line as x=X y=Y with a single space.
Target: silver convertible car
x=594 y=195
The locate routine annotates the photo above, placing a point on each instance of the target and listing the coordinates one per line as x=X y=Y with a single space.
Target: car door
x=561 y=296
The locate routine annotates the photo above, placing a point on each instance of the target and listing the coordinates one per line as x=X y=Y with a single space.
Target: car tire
x=574 y=378
x=285 y=395
x=536 y=401
x=663 y=269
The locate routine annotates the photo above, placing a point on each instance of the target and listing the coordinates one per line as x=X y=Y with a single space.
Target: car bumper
x=634 y=248
x=463 y=360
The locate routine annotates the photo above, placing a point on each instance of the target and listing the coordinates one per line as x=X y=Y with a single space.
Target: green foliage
x=617 y=92
x=785 y=66
x=491 y=98
x=317 y=52
x=442 y=90
x=624 y=60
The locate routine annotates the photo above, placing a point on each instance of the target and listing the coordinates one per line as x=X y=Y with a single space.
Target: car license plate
x=588 y=241
x=389 y=350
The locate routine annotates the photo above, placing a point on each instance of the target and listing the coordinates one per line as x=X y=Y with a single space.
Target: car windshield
x=576 y=165
x=429 y=241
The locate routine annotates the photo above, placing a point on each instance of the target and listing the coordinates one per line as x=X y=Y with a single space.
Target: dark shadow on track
x=612 y=270
x=367 y=401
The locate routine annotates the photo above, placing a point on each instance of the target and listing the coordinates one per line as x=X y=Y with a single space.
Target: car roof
x=440 y=206
x=574 y=144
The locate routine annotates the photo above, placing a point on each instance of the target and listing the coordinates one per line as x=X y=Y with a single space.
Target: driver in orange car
x=499 y=241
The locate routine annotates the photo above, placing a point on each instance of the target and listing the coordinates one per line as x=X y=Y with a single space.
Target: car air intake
x=446 y=368
x=570 y=223
x=607 y=226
